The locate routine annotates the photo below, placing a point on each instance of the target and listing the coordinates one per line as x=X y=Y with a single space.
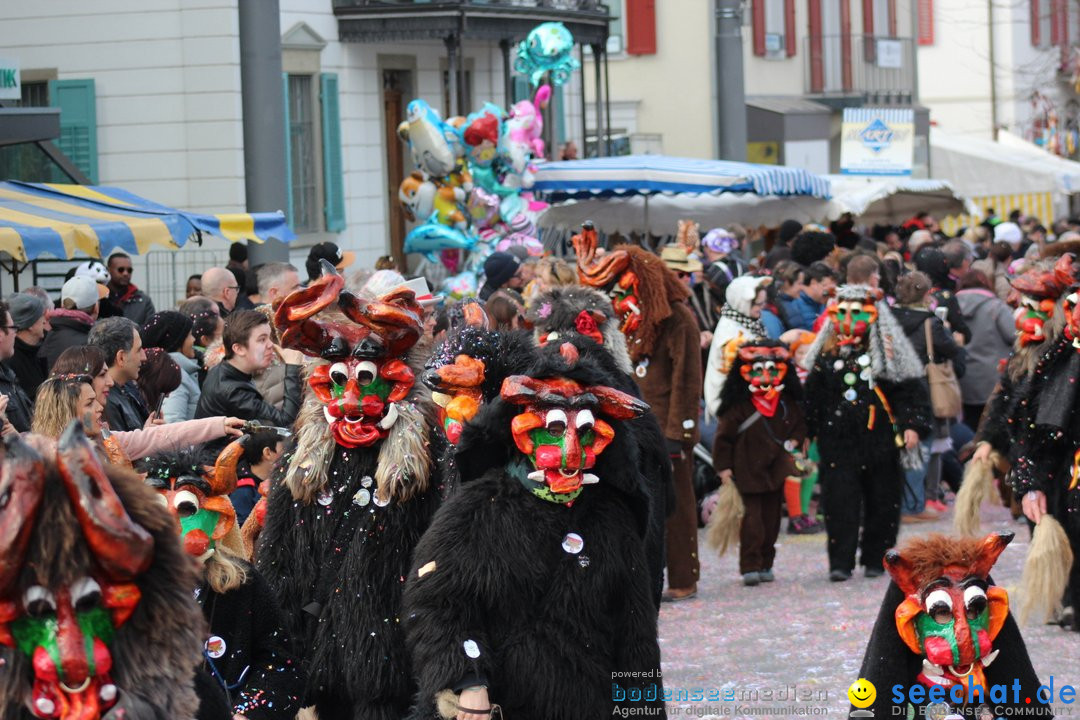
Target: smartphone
x=157 y=409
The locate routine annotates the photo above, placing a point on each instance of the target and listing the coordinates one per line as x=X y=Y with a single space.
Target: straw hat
x=676 y=258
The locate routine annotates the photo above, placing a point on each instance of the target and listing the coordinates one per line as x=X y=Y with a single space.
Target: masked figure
x=247 y=655
x=351 y=496
x=944 y=624
x=96 y=614
x=662 y=338
x=867 y=403
x=542 y=540
x=585 y=317
x=761 y=427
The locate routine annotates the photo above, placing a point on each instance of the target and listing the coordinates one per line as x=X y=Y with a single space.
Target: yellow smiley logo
x=862 y=693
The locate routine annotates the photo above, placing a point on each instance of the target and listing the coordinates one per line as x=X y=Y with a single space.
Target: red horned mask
x=366 y=375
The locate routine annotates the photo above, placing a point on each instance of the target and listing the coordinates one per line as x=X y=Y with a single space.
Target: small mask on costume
x=1031 y=316
x=65 y=630
x=562 y=430
x=951 y=614
x=626 y=300
x=365 y=376
x=198 y=498
x=764 y=369
x=852 y=319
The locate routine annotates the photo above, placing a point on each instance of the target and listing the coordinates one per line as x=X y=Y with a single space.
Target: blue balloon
x=432 y=237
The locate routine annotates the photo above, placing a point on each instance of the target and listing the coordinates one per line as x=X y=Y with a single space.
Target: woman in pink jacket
x=69 y=397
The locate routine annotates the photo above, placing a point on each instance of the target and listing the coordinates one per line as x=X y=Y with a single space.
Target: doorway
x=397 y=90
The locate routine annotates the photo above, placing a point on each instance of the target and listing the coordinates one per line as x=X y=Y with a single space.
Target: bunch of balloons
x=470 y=189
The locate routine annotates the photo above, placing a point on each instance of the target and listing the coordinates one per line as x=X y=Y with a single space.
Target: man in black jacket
x=19 y=408
x=28 y=315
x=71 y=322
x=121 y=342
x=229 y=389
x=125 y=299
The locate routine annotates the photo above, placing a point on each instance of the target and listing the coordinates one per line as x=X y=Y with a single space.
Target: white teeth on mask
x=930 y=668
x=589 y=479
x=536 y=476
x=633 y=307
x=440 y=399
x=326 y=414
x=391 y=417
x=990 y=658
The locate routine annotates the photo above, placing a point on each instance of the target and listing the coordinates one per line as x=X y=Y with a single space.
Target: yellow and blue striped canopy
x=64 y=220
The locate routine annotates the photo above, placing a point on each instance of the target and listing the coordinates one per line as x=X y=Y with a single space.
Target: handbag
x=945 y=398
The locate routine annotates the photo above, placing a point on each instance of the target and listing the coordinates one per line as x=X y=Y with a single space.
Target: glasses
x=8 y=328
x=233 y=287
x=123 y=270
x=682 y=275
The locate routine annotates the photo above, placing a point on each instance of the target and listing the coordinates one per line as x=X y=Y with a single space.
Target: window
x=34 y=94
x=78 y=122
x=302 y=156
x=773 y=28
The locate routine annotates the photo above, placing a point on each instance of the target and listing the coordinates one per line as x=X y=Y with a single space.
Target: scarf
x=755 y=327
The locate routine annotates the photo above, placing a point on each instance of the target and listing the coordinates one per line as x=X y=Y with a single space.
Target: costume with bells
x=247 y=654
x=96 y=614
x=532 y=578
x=665 y=349
x=761 y=424
x=864 y=389
x=351 y=497
x=945 y=626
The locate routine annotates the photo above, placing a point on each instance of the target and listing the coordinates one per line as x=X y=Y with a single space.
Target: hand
x=289 y=356
x=1034 y=505
x=3 y=403
x=982 y=452
x=911 y=439
x=706 y=339
x=8 y=429
x=725 y=475
x=959 y=338
x=475 y=698
x=234 y=427
x=154 y=419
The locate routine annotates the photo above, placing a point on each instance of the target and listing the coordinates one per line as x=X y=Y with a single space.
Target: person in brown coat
x=664 y=345
x=761 y=424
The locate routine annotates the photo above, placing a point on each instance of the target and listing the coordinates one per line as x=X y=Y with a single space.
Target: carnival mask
x=609 y=270
x=852 y=319
x=1031 y=316
x=626 y=300
x=456 y=385
x=764 y=369
x=560 y=430
x=365 y=376
x=951 y=614
x=65 y=629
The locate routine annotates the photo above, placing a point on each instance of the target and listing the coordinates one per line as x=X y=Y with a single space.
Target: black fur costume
x=555 y=315
x=155 y=653
x=551 y=626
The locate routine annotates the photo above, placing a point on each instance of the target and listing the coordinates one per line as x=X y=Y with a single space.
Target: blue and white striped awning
x=63 y=220
x=650 y=174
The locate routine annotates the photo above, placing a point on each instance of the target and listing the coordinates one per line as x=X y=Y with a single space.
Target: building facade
x=150 y=98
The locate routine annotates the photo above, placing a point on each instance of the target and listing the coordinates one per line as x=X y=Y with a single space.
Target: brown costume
x=664 y=344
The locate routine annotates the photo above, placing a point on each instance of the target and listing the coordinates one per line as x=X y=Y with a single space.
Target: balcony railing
x=877 y=69
x=572 y=5
x=398 y=20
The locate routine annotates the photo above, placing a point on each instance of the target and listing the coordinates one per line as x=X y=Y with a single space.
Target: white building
x=150 y=95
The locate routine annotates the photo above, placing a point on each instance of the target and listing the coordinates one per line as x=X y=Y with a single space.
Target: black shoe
x=767 y=575
x=873 y=572
x=839 y=575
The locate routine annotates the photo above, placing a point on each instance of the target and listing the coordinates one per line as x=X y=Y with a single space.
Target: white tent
x=977 y=167
x=892 y=200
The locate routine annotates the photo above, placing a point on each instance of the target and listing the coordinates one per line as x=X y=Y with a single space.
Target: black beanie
x=167 y=330
x=499 y=268
x=788 y=230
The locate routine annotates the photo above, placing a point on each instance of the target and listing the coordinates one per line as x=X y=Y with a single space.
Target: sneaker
x=767 y=575
x=839 y=575
x=925 y=516
x=873 y=572
x=751 y=579
x=936 y=505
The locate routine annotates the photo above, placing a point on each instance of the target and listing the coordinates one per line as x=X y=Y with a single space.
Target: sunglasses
x=123 y=270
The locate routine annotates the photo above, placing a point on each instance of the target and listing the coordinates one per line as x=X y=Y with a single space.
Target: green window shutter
x=288 y=151
x=333 y=175
x=78 y=122
x=559 y=112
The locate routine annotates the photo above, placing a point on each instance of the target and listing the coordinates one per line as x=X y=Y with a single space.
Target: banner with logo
x=877 y=141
